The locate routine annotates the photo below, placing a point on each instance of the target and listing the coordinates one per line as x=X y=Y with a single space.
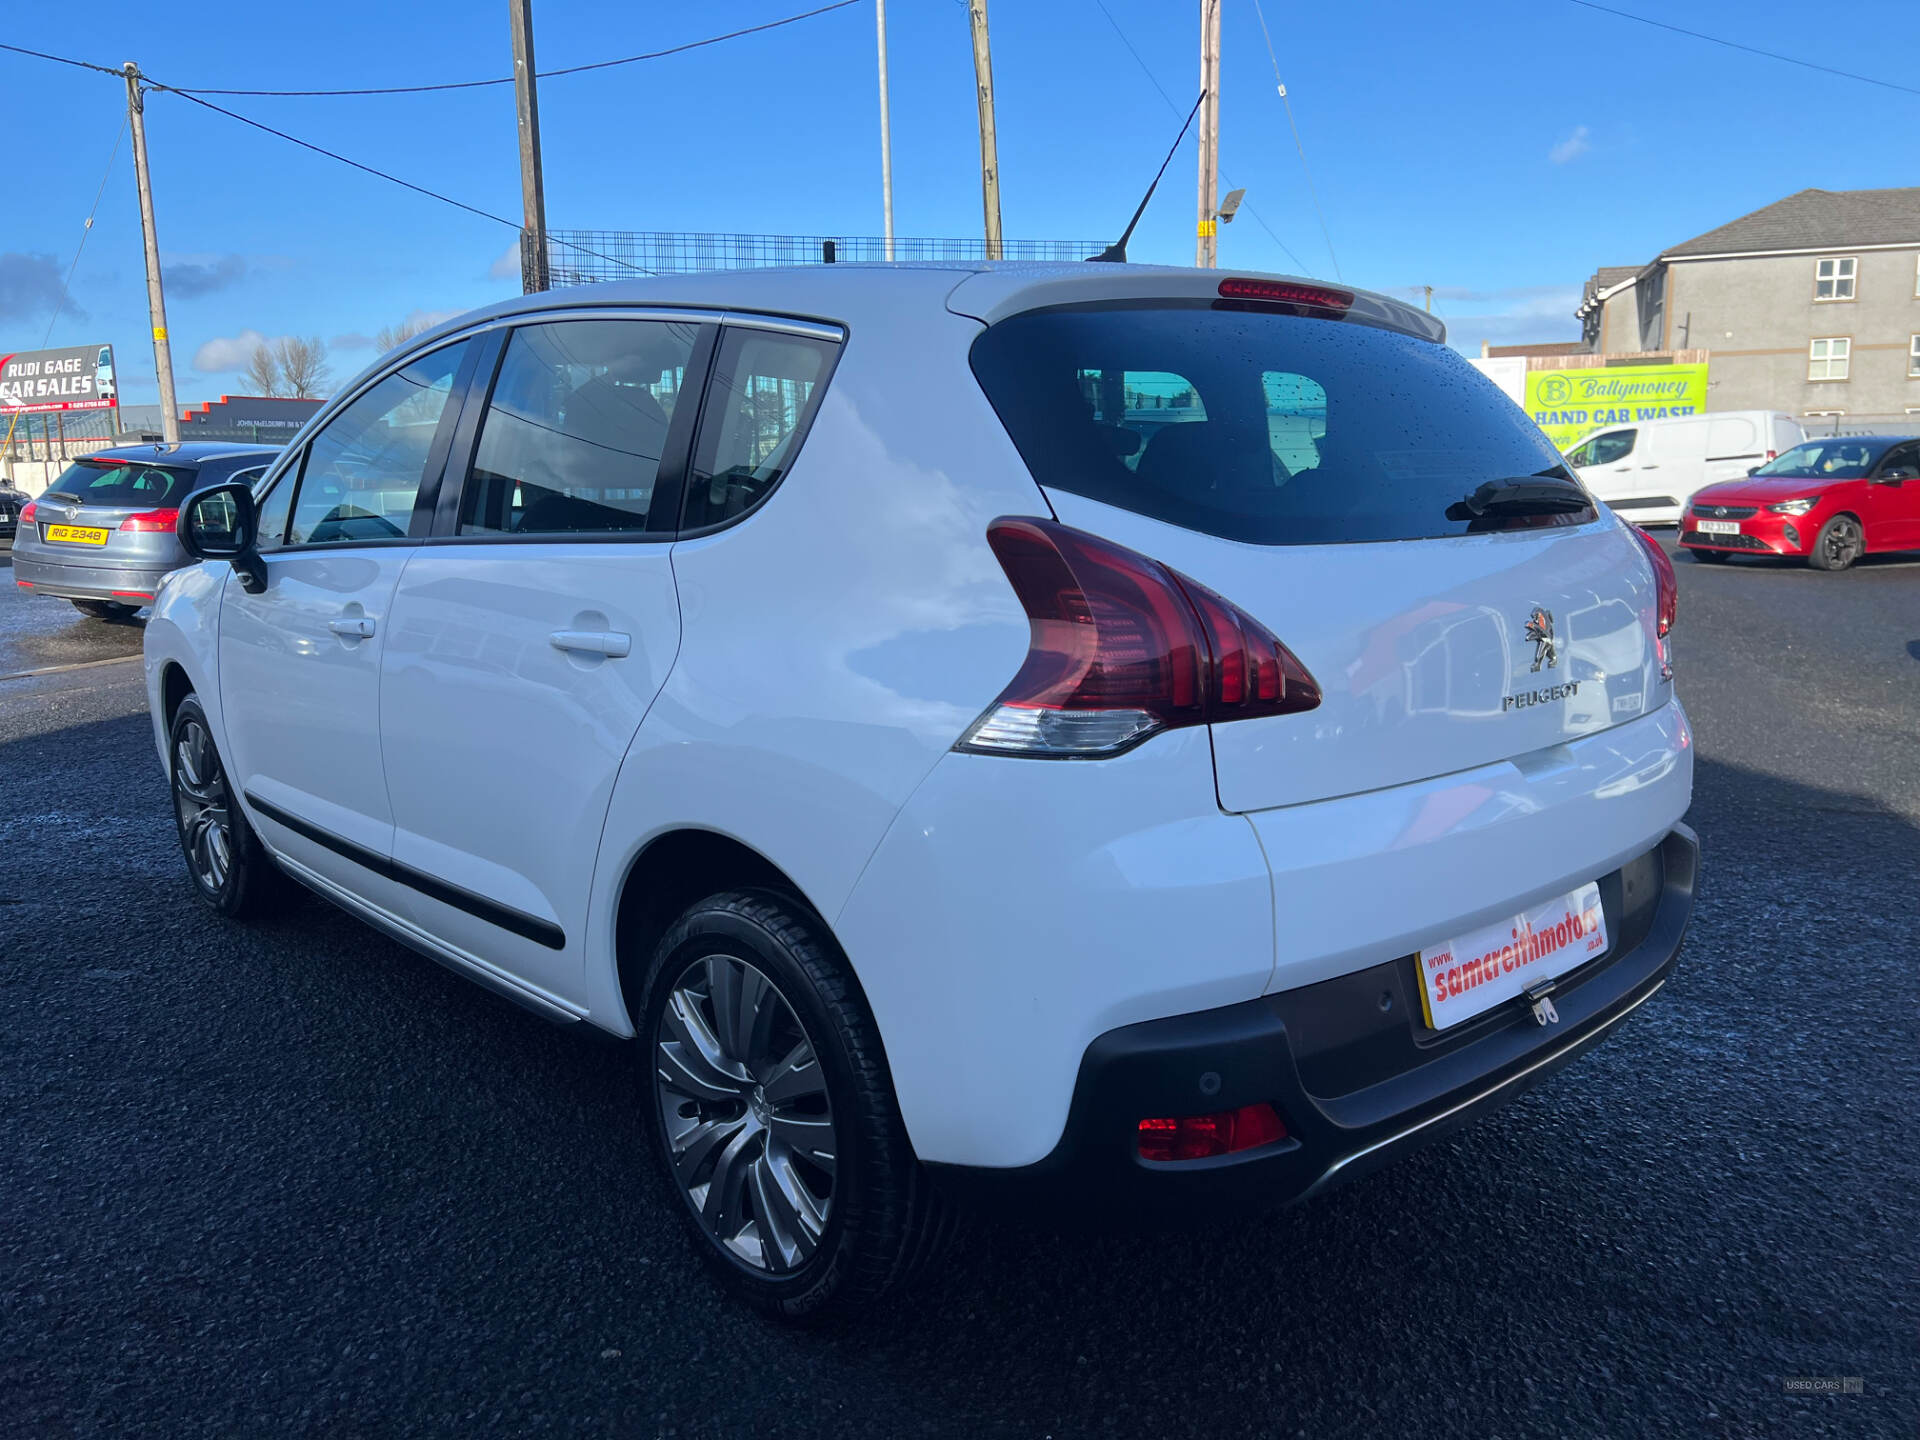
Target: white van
x=1649 y=471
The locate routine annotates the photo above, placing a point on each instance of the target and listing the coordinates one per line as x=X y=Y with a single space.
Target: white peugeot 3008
x=992 y=731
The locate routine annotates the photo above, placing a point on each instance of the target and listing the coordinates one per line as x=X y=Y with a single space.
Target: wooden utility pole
x=989 y=146
x=533 y=191
x=1206 y=249
x=156 y=297
x=886 y=128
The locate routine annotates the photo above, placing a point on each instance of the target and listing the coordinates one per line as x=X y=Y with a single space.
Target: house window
x=1913 y=356
x=1833 y=279
x=1827 y=358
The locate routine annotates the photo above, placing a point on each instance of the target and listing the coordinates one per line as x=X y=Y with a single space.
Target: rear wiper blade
x=1521 y=495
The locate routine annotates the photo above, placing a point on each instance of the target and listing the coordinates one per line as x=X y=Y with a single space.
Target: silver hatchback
x=103 y=533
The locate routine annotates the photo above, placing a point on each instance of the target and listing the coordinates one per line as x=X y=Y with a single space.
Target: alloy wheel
x=1842 y=542
x=200 y=800
x=746 y=1115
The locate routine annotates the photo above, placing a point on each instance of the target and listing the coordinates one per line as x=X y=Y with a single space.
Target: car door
x=1895 y=500
x=1606 y=464
x=300 y=659
x=529 y=637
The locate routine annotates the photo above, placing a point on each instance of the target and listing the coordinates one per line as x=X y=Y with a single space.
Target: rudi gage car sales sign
x=76 y=378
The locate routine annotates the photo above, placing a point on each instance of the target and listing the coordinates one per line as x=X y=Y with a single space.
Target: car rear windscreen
x=93 y=482
x=1255 y=425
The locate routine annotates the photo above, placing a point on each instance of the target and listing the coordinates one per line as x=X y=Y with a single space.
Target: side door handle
x=610 y=643
x=356 y=627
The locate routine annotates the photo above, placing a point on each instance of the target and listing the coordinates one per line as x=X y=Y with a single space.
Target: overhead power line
x=1153 y=80
x=1312 y=190
x=543 y=74
x=380 y=174
x=66 y=286
x=1749 y=49
x=452 y=84
x=64 y=60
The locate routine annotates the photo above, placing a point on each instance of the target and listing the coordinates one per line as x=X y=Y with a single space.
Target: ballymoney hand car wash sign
x=1570 y=403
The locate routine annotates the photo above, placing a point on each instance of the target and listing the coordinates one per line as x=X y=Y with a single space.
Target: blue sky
x=1498 y=150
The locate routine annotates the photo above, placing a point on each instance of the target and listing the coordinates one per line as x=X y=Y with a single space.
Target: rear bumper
x=130 y=584
x=1346 y=1062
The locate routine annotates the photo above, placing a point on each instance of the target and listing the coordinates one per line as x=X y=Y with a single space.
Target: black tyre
x=230 y=868
x=1839 y=543
x=773 y=1113
x=1710 y=557
x=103 y=609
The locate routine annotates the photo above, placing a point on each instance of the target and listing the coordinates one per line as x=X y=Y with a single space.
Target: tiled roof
x=1816 y=220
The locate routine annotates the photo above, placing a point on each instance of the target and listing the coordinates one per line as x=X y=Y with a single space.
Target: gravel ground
x=296 y=1178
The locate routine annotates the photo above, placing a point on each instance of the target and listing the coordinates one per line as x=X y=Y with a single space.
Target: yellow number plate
x=76 y=535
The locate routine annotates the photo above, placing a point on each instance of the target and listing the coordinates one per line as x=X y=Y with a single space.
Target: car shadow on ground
x=295 y=1174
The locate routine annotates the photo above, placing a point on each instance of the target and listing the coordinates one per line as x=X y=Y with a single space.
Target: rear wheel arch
x=675 y=871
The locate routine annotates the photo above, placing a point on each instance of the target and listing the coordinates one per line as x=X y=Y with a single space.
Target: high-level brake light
x=1122 y=647
x=1286 y=292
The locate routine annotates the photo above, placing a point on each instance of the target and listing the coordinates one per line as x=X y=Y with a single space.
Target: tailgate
x=1382 y=508
x=1433 y=656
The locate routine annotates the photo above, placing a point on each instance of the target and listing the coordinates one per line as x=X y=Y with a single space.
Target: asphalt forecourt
x=297 y=1178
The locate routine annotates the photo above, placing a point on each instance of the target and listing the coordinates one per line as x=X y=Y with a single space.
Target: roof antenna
x=1117 y=252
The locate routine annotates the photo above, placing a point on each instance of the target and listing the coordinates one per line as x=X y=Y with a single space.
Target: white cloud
x=228 y=354
x=507 y=267
x=1573 y=147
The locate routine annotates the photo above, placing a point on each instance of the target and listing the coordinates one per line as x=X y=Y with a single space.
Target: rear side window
x=761 y=399
x=1262 y=427
x=94 y=483
x=575 y=428
x=1602 y=449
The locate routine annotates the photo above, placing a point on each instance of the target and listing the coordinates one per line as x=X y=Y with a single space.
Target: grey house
x=1810 y=305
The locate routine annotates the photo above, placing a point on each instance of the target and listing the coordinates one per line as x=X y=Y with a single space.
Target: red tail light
x=1122 y=648
x=1666 y=599
x=32 y=509
x=1198 y=1137
x=1285 y=292
x=151 y=520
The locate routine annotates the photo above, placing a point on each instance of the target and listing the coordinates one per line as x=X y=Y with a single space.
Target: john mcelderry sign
x=77 y=378
x=1570 y=403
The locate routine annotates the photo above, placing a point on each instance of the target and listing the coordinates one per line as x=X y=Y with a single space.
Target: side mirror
x=1753 y=469
x=221 y=523
x=1896 y=473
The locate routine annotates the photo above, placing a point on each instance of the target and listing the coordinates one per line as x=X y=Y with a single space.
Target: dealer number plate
x=76 y=535
x=1719 y=527
x=1472 y=973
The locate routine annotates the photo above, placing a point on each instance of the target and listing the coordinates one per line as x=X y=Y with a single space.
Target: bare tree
x=392 y=337
x=263 y=371
x=303 y=365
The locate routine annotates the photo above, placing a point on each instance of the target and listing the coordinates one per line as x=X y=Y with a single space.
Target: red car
x=1830 y=501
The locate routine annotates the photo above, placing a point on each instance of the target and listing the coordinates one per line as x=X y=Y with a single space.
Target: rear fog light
x=1200 y=1137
